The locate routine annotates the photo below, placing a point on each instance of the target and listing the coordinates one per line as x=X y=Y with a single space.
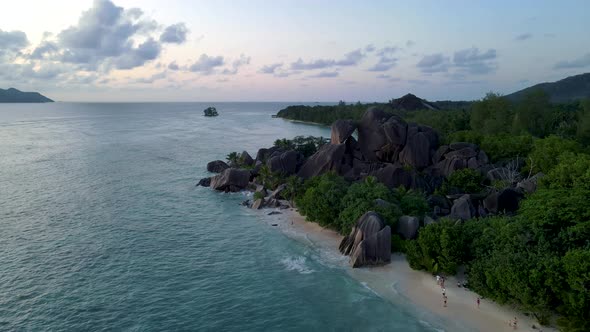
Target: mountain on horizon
x=566 y=90
x=410 y=102
x=13 y=95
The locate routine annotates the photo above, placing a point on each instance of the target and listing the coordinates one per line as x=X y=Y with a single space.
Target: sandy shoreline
x=398 y=283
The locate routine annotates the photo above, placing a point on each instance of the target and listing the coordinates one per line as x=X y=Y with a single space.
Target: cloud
x=475 y=62
x=175 y=34
x=106 y=35
x=13 y=40
x=469 y=60
x=523 y=36
x=418 y=82
x=146 y=51
x=325 y=74
x=173 y=66
x=410 y=43
x=387 y=51
x=45 y=48
x=153 y=78
x=270 y=69
x=434 y=63
x=206 y=64
x=350 y=59
x=384 y=64
x=388 y=78
x=581 y=62
x=315 y=64
x=241 y=61
x=11 y=44
x=369 y=48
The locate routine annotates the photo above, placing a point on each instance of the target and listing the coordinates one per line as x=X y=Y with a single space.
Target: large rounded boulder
x=369 y=242
x=384 y=137
x=341 y=131
x=395 y=175
x=217 y=166
x=285 y=163
x=231 y=179
x=330 y=157
x=407 y=226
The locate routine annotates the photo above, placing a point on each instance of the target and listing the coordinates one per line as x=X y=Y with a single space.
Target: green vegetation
x=537 y=259
x=361 y=197
x=258 y=195
x=210 y=111
x=322 y=199
x=325 y=115
x=306 y=145
x=270 y=180
x=463 y=181
x=333 y=202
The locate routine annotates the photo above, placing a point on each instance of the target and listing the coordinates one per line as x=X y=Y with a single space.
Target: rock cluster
x=369 y=242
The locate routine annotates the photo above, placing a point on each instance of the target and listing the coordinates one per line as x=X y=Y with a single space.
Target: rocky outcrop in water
x=217 y=166
x=231 y=180
x=369 y=242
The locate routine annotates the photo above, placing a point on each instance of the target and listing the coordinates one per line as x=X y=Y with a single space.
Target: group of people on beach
x=441 y=281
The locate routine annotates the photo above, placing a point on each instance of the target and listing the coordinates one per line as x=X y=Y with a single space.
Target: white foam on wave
x=296 y=264
x=428 y=325
x=370 y=289
x=394 y=288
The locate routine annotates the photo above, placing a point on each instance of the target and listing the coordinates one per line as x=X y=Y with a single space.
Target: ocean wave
x=296 y=264
x=365 y=285
x=429 y=326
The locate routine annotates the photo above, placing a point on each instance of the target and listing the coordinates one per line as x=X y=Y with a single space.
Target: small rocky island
x=394 y=153
x=13 y=95
x=210 y=111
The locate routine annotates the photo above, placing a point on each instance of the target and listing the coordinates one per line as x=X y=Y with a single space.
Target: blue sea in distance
x=103 y=229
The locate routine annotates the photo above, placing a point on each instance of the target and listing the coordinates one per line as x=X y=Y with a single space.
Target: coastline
x=303 y=122
x=400 y=284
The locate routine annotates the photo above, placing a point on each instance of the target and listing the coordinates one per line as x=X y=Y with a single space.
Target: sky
x=303 y=50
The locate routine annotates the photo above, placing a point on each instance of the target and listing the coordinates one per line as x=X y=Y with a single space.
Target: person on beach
x=514 y=325
x=478 y=299
x=445 y=301
x=444 y=292
x=437 y=279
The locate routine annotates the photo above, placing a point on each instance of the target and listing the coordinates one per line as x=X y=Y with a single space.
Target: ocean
x=103 y=229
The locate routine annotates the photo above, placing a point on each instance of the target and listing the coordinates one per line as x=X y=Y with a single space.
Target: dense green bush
x=491 y=115
x=545 y=152
x=571 y=171
x=444 y=121
x=411 y=202
x=326 y=115
x=361 y=197
x=268 y=179
x=465 y=180
x=322 y=199
x=470 y=136
x=583 y=123
x=438 y=248
x=533 y=114
x=506 y=147
x=306 y=145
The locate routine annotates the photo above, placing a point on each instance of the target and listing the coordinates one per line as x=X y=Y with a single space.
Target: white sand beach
x=398 y=283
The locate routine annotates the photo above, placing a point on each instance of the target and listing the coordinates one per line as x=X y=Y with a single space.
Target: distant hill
x=13 y=95
x=410 y=102
x=563 y=91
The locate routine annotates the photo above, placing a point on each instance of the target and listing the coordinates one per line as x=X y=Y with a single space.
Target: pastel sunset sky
x=175 y=50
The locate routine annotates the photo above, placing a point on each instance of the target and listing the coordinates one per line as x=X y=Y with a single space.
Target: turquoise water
x=102 y=228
